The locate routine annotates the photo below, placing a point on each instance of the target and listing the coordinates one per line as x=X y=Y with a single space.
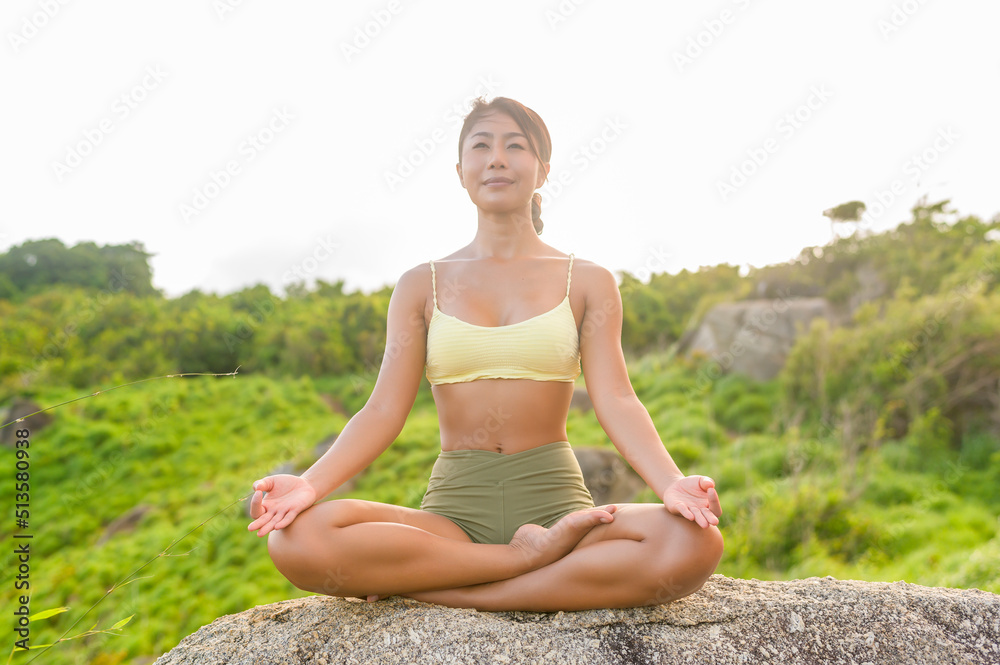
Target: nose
x=498 y=158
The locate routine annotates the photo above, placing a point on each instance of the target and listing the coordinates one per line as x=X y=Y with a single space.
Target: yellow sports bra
x=543 y=348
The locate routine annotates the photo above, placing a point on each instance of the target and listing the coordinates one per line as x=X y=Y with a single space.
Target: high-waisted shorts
x=490 y=495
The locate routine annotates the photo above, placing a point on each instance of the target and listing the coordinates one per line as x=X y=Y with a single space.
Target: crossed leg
x=350 y=547
x=646 y=556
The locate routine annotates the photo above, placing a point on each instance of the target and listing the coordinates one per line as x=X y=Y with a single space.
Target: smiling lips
x=498 y=181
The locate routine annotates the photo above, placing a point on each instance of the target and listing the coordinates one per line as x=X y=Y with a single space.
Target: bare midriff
x=502 y=415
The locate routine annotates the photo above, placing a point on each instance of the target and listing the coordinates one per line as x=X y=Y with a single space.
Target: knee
x=711 y=547
x=284 y=549
x=290 y=547
x=294 y=556
x=687 y=563
x=704 y=557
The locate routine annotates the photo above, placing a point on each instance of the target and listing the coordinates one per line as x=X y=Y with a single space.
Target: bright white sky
x=873 y=84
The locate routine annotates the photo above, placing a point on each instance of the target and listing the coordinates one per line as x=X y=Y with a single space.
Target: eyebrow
x=507 y=135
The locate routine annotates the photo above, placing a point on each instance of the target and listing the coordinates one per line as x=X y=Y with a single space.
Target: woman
x=506 y=523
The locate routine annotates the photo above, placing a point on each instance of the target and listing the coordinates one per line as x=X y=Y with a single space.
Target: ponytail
x=536 y=212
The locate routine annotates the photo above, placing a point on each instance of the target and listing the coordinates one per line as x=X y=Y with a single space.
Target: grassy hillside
x=183 y=449
x=874 y=455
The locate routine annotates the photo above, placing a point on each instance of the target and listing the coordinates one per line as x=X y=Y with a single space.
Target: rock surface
x=753 y=337
x=815 y=620
x=607 y=476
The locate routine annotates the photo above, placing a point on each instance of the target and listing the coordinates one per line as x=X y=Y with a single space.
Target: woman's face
x=498 y=168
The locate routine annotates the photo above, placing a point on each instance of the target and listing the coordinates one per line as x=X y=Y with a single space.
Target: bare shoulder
x=416 y=280
x=593 y=278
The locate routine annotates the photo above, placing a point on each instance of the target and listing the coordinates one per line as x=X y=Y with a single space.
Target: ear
x=540 y=180
x=461 y=178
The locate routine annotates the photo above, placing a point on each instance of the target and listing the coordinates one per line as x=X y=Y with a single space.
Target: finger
x=710 y=518
x=259 y=524
x=714 y=503
x=706 y=483
x=267 y=528
x=684 y=511
x=699 y=519
x=256 y=504
x=264 y=484
x=265 y=524
x=285 y=520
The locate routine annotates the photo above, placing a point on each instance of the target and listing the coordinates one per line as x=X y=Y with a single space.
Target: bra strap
x=569 y=275
x=434 y=284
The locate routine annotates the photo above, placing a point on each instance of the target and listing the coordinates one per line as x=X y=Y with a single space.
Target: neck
x=505 y=235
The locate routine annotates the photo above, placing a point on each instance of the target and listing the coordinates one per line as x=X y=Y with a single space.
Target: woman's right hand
x=287 y=496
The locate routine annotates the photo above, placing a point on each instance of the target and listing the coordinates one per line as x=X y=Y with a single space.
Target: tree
x=845 y=212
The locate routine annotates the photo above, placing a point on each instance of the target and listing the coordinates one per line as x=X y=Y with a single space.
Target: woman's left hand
x=694 y=498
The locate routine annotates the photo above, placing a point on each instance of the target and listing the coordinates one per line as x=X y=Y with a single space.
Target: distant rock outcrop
x=581 y=400
x=20 y=408
x=753 y=337
x=607 y=476
x=815 y=620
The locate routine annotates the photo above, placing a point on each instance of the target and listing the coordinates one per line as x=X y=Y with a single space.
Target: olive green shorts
x=490 y=495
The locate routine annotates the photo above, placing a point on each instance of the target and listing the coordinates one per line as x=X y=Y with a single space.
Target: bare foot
x=541 y=546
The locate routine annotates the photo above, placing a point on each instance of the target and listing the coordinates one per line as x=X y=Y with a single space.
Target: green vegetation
x=874 y=455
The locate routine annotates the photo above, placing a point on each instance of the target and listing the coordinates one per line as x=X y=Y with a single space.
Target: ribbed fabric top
x=543 y=348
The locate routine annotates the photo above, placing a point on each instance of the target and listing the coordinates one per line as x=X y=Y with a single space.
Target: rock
x=815 y=620
x=20 y=408
x=581 y=400
x=753 y=337
x=607 y=476
x=335 y=405
x=125 y=522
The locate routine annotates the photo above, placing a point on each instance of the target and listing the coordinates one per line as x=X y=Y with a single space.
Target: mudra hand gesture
x=694 y=498
x=287 y=496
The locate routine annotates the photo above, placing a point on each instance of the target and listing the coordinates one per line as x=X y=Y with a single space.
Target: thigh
x=643 y=522
x=345 y=512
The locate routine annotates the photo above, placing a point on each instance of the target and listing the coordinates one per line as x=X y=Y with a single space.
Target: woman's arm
x=372 y=429
x=379 y=422
x=619 y=410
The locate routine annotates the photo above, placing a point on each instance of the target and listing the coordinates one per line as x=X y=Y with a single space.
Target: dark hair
x=532 y=126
